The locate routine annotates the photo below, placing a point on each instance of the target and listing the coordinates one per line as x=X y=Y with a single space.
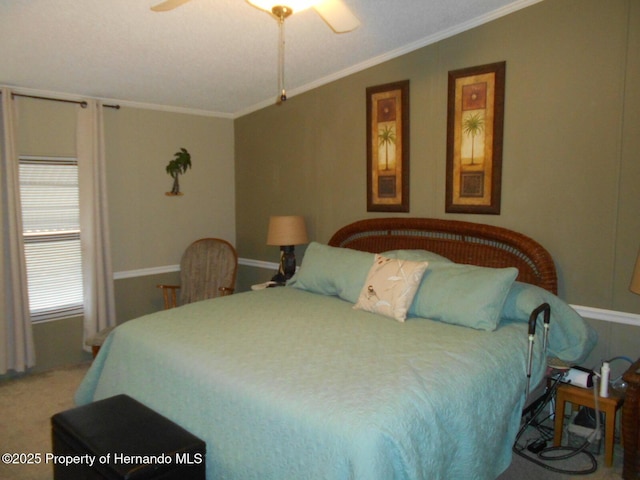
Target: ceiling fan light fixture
x=290 y=6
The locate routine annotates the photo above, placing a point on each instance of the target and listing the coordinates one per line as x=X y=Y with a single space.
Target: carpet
x=27 y=404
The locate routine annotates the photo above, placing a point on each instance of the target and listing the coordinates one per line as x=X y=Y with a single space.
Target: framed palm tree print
x=388 y=147
x=475 y=118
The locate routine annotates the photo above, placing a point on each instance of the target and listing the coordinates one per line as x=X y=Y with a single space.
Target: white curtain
x=17 y=351
x=99 y=304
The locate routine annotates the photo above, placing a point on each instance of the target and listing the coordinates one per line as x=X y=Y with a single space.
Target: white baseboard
x=593 y=313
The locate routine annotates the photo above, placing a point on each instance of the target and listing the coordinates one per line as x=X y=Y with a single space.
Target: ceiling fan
x=334 y=12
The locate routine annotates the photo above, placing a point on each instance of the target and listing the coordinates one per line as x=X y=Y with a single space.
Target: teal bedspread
x=286 y=384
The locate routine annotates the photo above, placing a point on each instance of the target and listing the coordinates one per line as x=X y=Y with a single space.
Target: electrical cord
x=543 y=455
x=620 y=357
x=574 y=451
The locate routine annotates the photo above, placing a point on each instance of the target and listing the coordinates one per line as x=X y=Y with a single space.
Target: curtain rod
x=82 y=103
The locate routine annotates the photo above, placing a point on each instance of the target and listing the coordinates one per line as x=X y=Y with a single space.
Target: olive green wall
x=149 y=230
x=571 y=178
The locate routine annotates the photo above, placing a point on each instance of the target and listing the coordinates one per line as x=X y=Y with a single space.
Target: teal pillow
x=522 y=299
x=465 y=295
x=571 y=338
x=416 y=256
x=333 y=271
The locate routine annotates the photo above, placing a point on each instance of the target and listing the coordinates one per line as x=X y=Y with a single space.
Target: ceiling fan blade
x=337 y=15
x=168 y=5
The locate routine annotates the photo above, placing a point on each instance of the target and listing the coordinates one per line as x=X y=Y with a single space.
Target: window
x=51 y=228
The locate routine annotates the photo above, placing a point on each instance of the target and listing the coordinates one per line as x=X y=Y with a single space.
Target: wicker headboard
x=461 y=242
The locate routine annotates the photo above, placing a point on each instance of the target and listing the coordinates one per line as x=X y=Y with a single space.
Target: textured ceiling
x=213 y=56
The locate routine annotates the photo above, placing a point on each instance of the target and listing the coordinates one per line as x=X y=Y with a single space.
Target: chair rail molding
x=143 y=272
x=613 y=316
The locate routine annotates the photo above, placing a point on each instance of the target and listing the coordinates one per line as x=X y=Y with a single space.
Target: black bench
x=120 y=438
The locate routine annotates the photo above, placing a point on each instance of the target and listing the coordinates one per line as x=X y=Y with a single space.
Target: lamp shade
x=635 y=280
x=287 y=230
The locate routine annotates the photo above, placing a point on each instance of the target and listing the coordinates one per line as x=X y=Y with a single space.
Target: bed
x=336 y=377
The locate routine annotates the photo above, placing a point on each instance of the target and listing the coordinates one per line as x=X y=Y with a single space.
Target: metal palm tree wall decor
x=176 y=167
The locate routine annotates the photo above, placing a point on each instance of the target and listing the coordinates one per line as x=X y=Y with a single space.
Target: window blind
x=51 y=228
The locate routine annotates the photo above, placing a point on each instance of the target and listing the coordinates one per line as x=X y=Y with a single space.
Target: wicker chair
x=207 y=270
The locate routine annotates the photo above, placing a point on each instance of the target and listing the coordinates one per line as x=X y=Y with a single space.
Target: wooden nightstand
x=584 y=397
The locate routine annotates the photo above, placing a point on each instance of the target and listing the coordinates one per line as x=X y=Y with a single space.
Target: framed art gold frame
x=388 y=147
x=475 y=119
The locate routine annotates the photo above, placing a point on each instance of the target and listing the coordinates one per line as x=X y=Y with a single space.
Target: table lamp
x=285 y=232
x=635 y=280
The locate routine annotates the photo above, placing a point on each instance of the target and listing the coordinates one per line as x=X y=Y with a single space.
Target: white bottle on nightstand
x=604 y=379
